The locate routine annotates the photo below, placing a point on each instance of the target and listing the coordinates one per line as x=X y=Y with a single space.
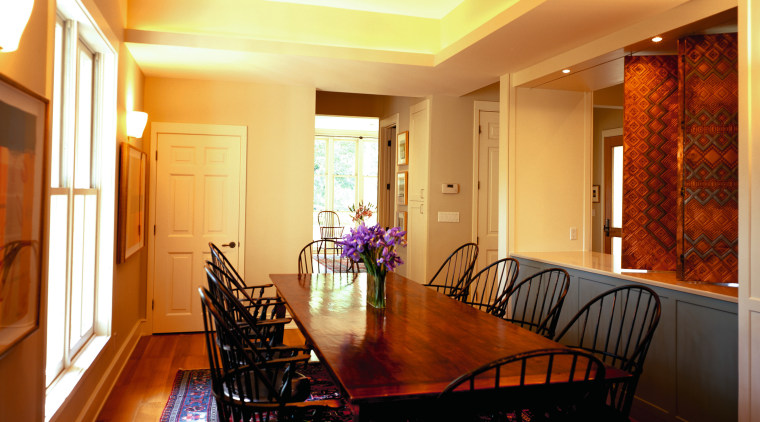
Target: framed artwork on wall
x=131 y=201
x=402 y=143
x=23 y=140
x=401 y=187
x=401 y=221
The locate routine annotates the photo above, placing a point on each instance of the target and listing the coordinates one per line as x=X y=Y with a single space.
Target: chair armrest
x=281 y=361
x=329 y=403
x=291 y=348
x=278 y=321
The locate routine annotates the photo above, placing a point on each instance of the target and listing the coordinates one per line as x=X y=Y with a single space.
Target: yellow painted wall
x=22 y=389
x=550 y=144
x=450 y=162
x=400 y=106
x=23 y=398
x=280 y=121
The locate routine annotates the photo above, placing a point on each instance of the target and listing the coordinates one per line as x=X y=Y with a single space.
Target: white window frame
x=80 y=27
x=359 y=138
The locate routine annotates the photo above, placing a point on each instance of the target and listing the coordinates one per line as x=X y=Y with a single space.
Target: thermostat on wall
x=450 y=188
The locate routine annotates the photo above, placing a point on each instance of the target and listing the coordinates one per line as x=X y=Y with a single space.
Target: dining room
x=208 y=72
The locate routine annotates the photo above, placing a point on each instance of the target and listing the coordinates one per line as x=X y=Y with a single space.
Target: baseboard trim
x=108 y=380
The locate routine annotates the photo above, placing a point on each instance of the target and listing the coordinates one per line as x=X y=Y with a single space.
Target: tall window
x=80 y=228
x=345 y=166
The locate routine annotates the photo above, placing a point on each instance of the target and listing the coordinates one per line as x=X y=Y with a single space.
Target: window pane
x=344 y=192
x=320 y=155
x=369 y=158
x=617 y=187
x=370 y=190
x=83 y=269
x=88 y=262
x=83 y=164
x=370 y=196
x=320 y=192
x=55 y=147
x=77 y=258
x=344 y=157
x=56 y=285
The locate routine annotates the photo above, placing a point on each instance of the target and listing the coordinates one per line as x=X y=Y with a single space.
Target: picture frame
x=24 y=131
x=402 y=148
x=595 y=193
x=401 y=221
x=402 y=186
x=131 y=233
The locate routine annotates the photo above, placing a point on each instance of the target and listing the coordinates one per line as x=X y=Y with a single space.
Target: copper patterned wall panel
x=650 y=143
x=709 y=66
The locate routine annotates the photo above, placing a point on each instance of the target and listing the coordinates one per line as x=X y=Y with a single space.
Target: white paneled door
x=417 y=225
x=199 y=198
x=488 y=188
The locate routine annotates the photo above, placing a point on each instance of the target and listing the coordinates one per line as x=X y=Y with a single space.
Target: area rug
x=191 y=398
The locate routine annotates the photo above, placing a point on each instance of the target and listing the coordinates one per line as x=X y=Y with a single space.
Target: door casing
x=187 y=128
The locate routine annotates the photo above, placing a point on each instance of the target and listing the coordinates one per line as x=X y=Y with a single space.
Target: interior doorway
x=386 y=200
x=613 y=192
x=197 y=197
x=486 y=181
x=346 y=151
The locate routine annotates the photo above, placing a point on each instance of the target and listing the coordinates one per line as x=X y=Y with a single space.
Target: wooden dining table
x=402 y=356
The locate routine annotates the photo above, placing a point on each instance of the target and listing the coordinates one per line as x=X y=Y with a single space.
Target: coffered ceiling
x=389 y=47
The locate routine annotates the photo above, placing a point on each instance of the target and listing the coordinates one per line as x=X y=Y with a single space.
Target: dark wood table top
x=414 y=347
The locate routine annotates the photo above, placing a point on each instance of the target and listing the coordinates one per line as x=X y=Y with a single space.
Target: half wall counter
x=691 y=370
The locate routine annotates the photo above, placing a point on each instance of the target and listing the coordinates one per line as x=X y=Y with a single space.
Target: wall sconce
x=136 y=121
x=13 y=19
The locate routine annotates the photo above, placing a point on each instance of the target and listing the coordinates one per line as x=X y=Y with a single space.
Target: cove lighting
x=657 y=39
x=14 y=15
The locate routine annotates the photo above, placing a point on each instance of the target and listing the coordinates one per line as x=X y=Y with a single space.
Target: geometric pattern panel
x=709 y=84
x=650 y=173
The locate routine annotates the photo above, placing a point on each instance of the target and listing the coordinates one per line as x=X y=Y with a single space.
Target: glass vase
x=376 y=290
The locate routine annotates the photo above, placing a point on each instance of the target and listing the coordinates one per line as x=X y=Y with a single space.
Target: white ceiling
x=434 y=9
x=534 y=38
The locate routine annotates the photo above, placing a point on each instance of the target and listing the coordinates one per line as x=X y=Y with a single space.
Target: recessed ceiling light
x=657 y=39
x=565 y=70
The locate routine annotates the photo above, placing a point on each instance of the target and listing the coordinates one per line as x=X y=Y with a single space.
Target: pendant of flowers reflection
x=375 y=247
x=360 y=212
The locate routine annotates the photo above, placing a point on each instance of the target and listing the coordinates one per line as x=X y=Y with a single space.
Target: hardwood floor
x=143 y=388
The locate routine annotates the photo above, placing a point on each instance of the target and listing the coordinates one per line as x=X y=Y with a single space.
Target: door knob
x=231 y=245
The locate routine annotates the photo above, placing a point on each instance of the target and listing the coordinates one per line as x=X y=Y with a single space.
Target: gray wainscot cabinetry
x=691 y=371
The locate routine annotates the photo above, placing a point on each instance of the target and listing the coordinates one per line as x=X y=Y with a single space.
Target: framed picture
x=23 y=140
x=595 y=193
x=131 y=201
x=402 y=143
x=401 y=221
x=401 y=187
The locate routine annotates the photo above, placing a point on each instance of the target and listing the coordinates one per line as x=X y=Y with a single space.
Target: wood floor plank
x=144 y=385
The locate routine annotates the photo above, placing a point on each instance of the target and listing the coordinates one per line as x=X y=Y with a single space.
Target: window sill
x=63 y=387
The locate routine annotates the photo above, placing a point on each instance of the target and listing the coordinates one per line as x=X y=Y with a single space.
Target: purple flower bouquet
x=377 y=249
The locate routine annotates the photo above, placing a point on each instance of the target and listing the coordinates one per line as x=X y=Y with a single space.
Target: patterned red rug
x=191 y=398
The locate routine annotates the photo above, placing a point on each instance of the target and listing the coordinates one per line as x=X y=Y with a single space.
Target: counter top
x=605 y=264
